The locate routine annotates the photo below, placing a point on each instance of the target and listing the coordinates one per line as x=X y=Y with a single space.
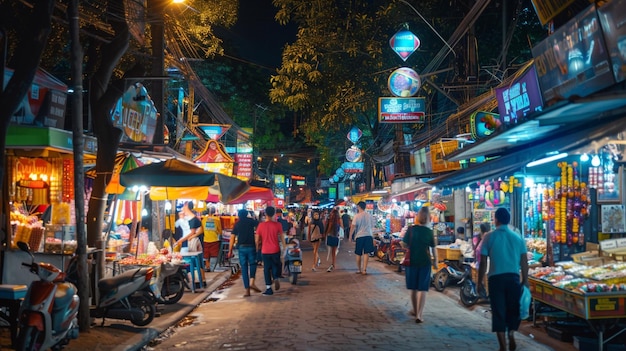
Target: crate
x=446 y=253
x=475 y=278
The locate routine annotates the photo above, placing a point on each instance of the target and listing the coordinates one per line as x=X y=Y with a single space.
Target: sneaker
x=268 y=292
x=330 y=269
x=276 y=284
x=319 y=261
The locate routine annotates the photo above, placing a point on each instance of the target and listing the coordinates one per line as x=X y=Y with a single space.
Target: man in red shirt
x=268 y=239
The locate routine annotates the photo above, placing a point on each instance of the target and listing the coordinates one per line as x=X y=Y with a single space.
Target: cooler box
x=12 y=292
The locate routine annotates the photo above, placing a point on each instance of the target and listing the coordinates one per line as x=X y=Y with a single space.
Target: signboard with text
x=404 y=43
x=573 y=60
x=520 y=98
x=401 y=110
x=244 y=166
x=438 y=152
x=613 y=17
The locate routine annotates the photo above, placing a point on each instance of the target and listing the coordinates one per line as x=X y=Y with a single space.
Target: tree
x=28 y=49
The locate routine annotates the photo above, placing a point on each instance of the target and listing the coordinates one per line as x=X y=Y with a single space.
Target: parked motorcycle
x=449 y=272
x=123 y=296
x=48 y=315
x=388 y=249
x=169 y=286
x=469 y=294
x=293 y=260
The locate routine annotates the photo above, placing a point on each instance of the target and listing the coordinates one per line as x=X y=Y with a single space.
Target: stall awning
x=556 y=120
x=356 y=198
x=409 y=193
x=567 y=141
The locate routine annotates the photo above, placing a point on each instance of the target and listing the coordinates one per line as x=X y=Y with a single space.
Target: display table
x=599 y=309
x=11 y=297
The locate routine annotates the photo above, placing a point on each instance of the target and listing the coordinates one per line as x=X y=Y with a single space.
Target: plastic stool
x=195 y=266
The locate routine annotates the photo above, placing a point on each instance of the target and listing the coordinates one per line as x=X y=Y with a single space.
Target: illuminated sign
x=136 y=115
x=404 y=82
x=352 y=167
x=404 y=43
x=483 y=124
x=573 y=61
x=401 y=110
x=520 y=98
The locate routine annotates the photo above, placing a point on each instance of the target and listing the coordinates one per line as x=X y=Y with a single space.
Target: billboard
x=438 y=153
x=136 y=115
x=613 y=20
x=520 y=98
x=573 y=60
x=401 y=110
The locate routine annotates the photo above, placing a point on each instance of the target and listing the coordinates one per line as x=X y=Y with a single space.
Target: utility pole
x=156 y=14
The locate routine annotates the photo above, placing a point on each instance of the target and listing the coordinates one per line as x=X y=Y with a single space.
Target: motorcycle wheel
x=293 y=278
x=468 y=296
x=440 y=280
x=173 y=290
x=27 y=339
x=143 y=303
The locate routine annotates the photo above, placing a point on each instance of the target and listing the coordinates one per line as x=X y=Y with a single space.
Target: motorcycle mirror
x=23 y=246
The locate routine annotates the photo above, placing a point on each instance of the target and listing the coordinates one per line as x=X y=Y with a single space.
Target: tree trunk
x=27 y=56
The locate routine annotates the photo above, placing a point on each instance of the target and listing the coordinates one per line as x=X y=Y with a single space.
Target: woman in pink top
x=268 y=238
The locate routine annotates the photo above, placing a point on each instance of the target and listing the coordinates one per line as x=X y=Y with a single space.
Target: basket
x=446 y=253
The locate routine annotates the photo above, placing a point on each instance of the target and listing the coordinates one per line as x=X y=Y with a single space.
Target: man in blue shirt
x=507 y=260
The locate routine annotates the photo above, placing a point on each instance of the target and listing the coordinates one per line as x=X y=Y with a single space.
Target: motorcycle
x=388 y=249
x=123 y=296
x=169 y=286
x=293 y=260
x=468 y=294
x=449 y=272
x=48 y=315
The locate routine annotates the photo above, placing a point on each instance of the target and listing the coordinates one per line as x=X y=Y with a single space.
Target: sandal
x=358 y=272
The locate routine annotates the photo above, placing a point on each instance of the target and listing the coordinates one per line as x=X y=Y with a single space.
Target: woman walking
x=421 y=243
x=316 y=228
x=332 y=237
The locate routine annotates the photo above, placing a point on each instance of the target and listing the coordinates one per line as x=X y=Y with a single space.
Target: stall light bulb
x=595 y=161
x=529 y=182
x=468 y=189
x=584 y=158
x=144 y=212
x=168 y=206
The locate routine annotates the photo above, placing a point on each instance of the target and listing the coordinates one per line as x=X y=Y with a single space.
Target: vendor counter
x=15 y=274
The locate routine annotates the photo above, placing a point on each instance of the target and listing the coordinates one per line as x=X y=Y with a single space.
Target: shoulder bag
x=406 y=260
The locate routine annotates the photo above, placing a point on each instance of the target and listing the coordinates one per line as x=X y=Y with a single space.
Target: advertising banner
x=613 y=19
x=520 y=98
x=548 y=9
x=401 y=110
x=352 y=167
x=44 y=103
x=483 y=124
x=136 y=115
x=438 y=152
x=244 y=166
x=573 y=60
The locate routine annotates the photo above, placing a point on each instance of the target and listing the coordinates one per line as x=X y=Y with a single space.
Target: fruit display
x=151 y=259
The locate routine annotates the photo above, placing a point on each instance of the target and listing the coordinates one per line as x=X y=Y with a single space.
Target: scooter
x=169 y=286
x=388 y=249
x=123 y=296
x=469 y=294
x=448 y=273
x=293 y=260
x=48 y=315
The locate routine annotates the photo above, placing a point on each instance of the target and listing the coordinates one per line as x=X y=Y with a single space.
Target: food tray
x=446 y=253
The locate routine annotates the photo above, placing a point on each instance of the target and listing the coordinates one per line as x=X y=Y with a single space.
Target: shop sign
x=438 y=152
x=548 y=9
x=574 y=60
x=244 y=166
x=32 y=172
x=136 y=115
x=298 y=180
x=354 y=134
x=404 y=43
x=401 y=110
x=244 y=145
x=44 y=103
x=483 y=124
x=404 y=82
x=353 y=154
x=279 y=181
x=353 y=167
x=214 y=131
x=520 y=98
x=613 y=17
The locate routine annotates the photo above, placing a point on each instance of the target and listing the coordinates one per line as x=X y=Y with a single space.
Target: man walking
x=507 y=258
x=269 y=235
x=345 y=223
x=246 y=243
x=361 y=232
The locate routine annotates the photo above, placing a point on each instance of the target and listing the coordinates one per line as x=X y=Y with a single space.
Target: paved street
x=335 y=311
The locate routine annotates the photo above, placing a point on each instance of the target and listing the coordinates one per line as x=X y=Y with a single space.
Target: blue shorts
x=418 y=278
x=364 y=245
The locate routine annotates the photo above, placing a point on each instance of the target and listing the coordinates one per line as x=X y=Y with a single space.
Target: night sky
x=256 y=35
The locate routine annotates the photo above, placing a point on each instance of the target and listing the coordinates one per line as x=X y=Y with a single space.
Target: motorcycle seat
x=113 y=282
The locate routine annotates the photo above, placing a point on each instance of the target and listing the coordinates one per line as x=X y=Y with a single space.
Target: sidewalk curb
x=142 y=339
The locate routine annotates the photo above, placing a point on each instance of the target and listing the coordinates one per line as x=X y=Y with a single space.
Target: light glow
x=547 y=159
